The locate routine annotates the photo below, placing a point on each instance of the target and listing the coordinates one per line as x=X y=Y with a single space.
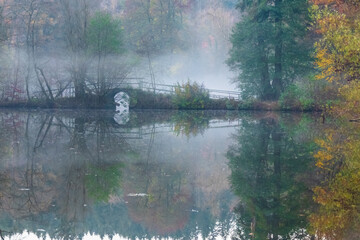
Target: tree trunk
x=266 y=91
x=277 y=82
x=79 y=79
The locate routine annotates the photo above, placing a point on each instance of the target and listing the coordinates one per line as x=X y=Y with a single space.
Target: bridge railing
x=150 y=87
x=167 y=88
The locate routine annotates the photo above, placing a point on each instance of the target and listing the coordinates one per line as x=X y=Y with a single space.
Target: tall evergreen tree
x=270 y=46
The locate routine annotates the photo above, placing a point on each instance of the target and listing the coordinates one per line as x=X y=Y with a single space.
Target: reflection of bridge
x=156 y=88
x=149 y=129
x=140 y=132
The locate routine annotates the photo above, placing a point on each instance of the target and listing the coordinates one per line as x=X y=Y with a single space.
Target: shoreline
x=215 y=104
x=139 y=99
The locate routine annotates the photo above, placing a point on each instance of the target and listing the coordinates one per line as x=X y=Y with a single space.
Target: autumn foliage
x=337 y=50
x=338 y=61
x=339 y=195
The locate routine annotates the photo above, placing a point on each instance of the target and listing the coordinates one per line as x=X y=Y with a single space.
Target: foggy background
x=202 y=50
x=45 y=44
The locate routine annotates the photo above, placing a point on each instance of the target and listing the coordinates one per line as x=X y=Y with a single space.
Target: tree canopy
x=104 y=34
x=271 y=48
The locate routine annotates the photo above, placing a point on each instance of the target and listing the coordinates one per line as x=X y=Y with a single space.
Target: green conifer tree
x=271 y=47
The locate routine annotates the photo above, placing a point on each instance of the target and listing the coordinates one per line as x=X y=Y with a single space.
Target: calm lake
x=157 y=174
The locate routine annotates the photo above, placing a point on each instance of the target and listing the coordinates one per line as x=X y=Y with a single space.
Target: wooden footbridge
x=155 y=88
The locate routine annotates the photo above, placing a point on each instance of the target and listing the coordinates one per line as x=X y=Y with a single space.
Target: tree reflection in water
x=66 y=174
x=269 y=166
x=167 y=174
x=338 y=195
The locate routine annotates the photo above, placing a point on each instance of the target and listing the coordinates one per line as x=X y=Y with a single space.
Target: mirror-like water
x=177 y=175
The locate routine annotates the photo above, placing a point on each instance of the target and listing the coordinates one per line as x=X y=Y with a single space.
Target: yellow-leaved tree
x=338 y=196
x=338 y=62
x=338 y=50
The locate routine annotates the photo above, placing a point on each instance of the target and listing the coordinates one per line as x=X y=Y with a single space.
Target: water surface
x=156 y=174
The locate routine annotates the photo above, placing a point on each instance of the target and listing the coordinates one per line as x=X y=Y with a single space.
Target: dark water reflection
x=181 y=175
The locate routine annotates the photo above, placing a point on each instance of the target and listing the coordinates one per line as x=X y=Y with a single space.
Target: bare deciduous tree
x=76 y=16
